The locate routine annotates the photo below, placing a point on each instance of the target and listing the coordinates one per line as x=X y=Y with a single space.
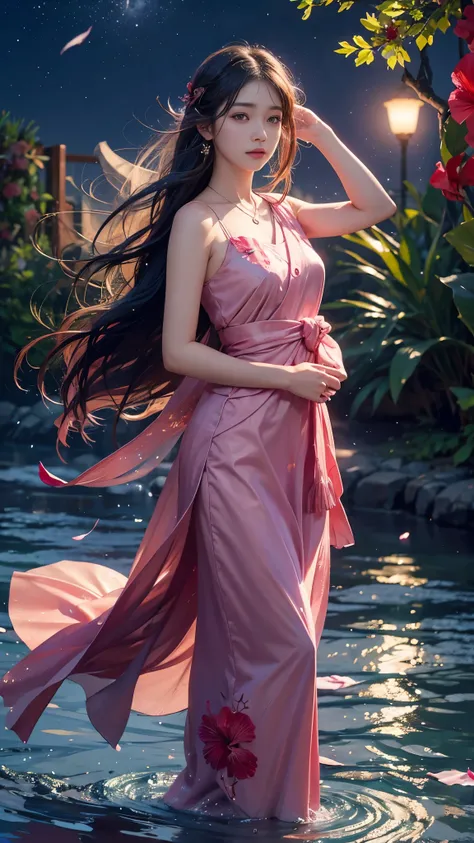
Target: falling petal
x=451 y=777
x=327 y=683
x=83 y=535
x=331 y=761
x=404 y=536
x=75 y=41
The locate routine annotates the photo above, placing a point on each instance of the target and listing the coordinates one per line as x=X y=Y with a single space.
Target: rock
x=157 y=484
x=382 y=489
x=416 y=467
x=426 y=497
x=393 y=464
x=452 y=475
x=44 y=412
x=83 y=461
x=414 y=485
x=7 y=410
x=21 y=430
x=455 y=504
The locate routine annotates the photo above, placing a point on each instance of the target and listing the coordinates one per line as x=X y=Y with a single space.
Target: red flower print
x=223 y=735
x=252 y=250
x=452 y=178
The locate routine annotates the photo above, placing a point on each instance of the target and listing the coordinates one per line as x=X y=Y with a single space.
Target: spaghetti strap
x=224 y=227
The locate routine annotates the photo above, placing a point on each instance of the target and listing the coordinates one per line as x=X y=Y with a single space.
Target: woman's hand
x=315 y=381
x=307 y=123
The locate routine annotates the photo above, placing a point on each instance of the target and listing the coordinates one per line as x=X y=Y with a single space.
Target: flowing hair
x=112 y=349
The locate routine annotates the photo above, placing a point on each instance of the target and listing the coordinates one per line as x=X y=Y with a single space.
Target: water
x=400 y=623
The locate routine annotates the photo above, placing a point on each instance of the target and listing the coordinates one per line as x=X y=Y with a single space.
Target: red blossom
x=34 y=195
x=461 y=101
x=465 y=27
x=391 y=32
x=11 y=189
x=19 y=147
x=458 y=173
x=20 y=164
x=5 y=234
x=223 y=735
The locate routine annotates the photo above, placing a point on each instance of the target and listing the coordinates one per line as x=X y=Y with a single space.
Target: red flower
x=222 y=735
x=5 y=234
x=391 y=32
x=11 y=189
x=452 y=178
x=20 y=164
x=34 y=195
x=461 y=101
x=19 y=147
x=465 y=27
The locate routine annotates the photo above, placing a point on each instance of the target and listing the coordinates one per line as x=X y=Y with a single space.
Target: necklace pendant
x=257 y=222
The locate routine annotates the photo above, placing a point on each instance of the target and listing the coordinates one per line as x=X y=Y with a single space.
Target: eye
x=241 y=114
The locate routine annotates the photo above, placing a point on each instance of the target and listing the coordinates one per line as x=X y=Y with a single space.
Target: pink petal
x=83 y=535
x=403 y=536
x=75 y=41
x=327 y=683
x=451 y=777
x=330 y=761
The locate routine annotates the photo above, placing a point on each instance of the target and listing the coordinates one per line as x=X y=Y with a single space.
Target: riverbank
x=374 y=476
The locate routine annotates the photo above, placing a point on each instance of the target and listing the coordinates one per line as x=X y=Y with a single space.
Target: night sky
x=106 y=88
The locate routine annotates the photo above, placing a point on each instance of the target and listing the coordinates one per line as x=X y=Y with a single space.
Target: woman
x=224 y=606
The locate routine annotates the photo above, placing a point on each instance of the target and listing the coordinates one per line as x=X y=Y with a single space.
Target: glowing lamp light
x=403 y=115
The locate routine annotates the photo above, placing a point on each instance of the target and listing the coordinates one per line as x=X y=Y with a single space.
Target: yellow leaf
x=392 y=62
x=361 y=42
x=404 y=54
x=401 y=60
x=444 y=25
x=421 y=42
x=364 y=57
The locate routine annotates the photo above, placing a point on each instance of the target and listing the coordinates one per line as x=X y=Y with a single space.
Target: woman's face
x=254 y=121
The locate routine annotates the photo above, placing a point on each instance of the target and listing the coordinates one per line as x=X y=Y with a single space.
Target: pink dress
x=224 y=606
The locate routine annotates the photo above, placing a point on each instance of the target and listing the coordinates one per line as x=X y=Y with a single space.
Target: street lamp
x=403 y=119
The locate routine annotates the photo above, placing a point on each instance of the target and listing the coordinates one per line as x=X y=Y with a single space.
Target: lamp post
x=403 y=119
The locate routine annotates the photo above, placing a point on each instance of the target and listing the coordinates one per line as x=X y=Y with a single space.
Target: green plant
x=411 y=326
x=23 y=269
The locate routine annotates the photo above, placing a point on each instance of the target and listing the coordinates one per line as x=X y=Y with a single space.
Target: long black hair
x=112 y=348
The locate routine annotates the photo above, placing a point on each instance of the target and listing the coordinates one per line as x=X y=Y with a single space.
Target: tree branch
x=422 y=86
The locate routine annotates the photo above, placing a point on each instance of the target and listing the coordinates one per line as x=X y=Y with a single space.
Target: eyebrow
x=252 y=105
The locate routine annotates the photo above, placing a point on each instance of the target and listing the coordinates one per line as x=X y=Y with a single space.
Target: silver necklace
x=254 y=219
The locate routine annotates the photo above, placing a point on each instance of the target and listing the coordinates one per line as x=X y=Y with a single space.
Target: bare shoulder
x=294 y=203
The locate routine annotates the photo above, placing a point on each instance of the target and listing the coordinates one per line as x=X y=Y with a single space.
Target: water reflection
x=400 y=623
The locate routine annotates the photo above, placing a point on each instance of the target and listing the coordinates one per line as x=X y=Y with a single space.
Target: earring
x=206 y=148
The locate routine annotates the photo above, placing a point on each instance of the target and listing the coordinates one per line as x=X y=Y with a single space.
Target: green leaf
x=465 y=396
x=453 y=139
x=462 y=238
x=462 y=288
x=433 y=204
x=464 y=452
x=380 y=393
x=363 y=394
x=404 y=363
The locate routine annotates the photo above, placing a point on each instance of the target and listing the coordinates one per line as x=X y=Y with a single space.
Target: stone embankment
x=431 y=489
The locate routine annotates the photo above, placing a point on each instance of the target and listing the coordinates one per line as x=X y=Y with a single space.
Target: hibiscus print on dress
x=223 y=735
x=252 y=250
